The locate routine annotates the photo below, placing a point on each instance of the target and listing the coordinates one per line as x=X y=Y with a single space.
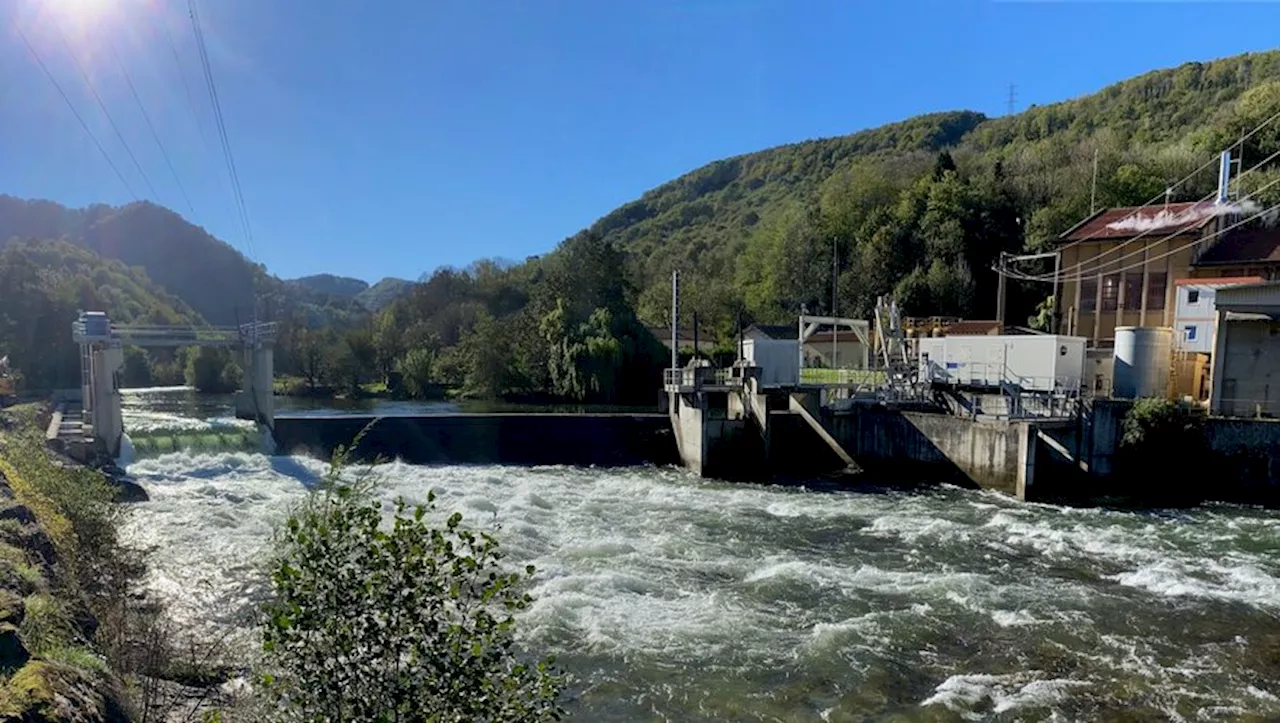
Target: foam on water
x=674 y=598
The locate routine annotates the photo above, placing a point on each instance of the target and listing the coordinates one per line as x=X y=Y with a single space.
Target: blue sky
x=393 y=136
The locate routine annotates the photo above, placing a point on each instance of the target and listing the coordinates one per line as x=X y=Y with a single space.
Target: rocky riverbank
x=79 y=640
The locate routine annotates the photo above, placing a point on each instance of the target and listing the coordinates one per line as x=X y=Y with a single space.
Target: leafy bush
x=1163 y=452
x=415 y=370
x=213 y=370
x=410 y=621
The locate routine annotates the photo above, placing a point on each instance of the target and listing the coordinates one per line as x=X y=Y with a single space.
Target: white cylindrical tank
x=1142 y=361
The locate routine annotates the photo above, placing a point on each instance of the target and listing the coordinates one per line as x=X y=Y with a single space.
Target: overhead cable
x=71 y=106
x=93 y=90
x=151 y=127
x=228 y=156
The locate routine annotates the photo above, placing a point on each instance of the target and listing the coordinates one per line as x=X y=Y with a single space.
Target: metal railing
x=845 y=377
x=996 y=375
x=171 y=336
x=699 y=377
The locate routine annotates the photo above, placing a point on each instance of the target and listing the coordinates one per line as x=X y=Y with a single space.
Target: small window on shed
x=1193 y=297
x=1191 y=333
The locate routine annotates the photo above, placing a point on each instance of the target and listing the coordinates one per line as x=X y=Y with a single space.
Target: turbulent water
x=671 y=598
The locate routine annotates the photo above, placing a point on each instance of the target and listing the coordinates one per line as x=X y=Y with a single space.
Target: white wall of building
x=1194 y=317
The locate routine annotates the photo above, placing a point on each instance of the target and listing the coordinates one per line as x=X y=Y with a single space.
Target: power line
x=1181 y=181
x=103 y=107
x=71 y=106
x=1145 y=261
x=1098 y=267
x=221 y=125
x=186 y=88
x=151 y=127
x=1189 y=244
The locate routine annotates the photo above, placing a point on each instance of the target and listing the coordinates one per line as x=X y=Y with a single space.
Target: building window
x=1089 y=294
x=1193 y=296
x=1132 y=292
x=1156 y=284
x=1191 y=333
x=1110 y=292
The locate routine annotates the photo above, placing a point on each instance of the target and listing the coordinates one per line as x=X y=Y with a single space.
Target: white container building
x=778 y=359
x=1034 y=362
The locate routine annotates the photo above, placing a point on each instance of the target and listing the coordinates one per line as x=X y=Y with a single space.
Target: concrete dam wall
x=604 y=440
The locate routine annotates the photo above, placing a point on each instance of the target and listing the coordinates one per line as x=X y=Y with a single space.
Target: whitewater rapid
x=667 y=597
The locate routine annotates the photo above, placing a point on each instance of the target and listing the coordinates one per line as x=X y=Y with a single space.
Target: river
x=670 y=598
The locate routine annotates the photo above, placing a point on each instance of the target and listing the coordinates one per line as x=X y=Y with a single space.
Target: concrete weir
x=603 y=440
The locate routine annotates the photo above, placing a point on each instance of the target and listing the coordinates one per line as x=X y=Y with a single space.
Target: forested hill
x=208 y=274
x=371 y=297
x=43 y=284
x=211 y=276
x=754 y=233
x=342 y=286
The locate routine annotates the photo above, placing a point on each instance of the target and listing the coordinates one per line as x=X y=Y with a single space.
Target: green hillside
x=754 y=233
x=44 y=284
x=384 y=292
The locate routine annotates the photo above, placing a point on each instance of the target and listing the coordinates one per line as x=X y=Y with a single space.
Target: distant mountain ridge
x=341 y=286
x=372 y=297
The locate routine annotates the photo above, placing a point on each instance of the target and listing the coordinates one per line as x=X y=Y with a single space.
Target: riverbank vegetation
x=364 y=618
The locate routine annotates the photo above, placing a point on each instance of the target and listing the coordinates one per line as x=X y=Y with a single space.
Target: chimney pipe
x=1224 y=177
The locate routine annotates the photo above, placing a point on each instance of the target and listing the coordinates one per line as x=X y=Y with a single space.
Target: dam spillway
x=532 y=439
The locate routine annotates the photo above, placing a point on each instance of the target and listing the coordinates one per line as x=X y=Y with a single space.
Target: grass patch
x=11 y=554
x=10 y=527
x=16 y=560
x=46 y=626
x=77 y=656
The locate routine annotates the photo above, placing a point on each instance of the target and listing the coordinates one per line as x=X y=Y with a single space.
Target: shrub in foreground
x=402 y=622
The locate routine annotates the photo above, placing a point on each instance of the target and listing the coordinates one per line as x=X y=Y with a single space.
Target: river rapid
x=670 y=598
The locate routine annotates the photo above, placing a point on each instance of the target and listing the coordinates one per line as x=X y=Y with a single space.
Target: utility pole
x=695 y=337
x=1057 y=267
x=835 y=283
x=1013 y=98
x=675 y=318
x=1093 y=194
x=1000 y=288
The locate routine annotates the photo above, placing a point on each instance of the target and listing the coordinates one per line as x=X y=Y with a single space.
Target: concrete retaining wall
x=973 y=453
x=1248 y=459
x=518 y=439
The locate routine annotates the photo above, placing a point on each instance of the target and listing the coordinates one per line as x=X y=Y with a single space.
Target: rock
x=34 y=540
x=128 y=491
x=13 y=654
x=12 y=609
x=21 y=513
x=45 y=692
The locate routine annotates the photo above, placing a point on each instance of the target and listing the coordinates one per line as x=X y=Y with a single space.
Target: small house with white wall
x=1194 y=312
x=1246 y=351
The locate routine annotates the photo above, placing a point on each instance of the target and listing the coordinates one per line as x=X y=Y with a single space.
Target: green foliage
x=1163 y=452
x=75 y=505
x=1157 y=424
x=416 y=372
x=405 y=621
x=137 y=368
x=44 y=284
x=213 y=370
x=46 y=625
